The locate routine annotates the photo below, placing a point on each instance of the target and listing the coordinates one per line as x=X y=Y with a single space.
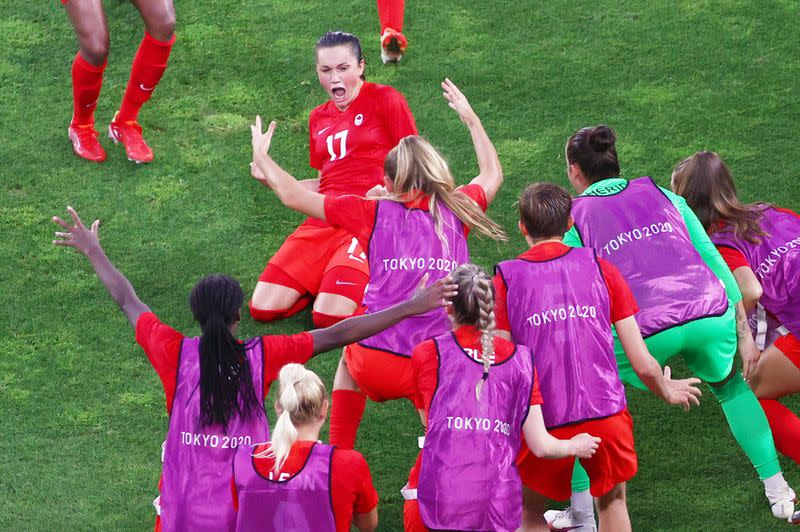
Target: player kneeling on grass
x=479 y=396
x=560 y=303
x=296 y=482
x=760 y=244
x=215 y=384
x=417 y=225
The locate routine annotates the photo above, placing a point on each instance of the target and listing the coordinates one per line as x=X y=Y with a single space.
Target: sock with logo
x=148 y=66
x=87 y=80
x=390 y=12
x=347 y=409
x=785 y=427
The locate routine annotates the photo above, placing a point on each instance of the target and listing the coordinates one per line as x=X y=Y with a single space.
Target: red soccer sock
x=391 y=14
x=87 y=80
x=272 y=315
x=346 y=413
x=326 y=320
x=149 y=65
x=785 y=427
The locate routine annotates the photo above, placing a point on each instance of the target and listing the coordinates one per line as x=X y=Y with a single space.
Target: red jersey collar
x=546 y=251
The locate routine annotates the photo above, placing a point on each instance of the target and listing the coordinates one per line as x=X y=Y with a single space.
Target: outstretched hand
x=683 y=392
x=77 y=236
x=436 y=295
x=458 y=102
x=261 y=142
x=584 y=445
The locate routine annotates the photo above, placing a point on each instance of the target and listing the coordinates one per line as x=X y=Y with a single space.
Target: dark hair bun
x=601 y=138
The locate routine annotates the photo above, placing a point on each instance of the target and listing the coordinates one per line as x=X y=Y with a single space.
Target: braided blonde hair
x=300 y=401
x=474 y=305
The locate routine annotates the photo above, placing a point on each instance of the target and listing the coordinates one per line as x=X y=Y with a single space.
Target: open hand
x=458 y=102
x=77 y=236
x=261 y=140
x=683 y=392
x=584 y=445
x=436 y=295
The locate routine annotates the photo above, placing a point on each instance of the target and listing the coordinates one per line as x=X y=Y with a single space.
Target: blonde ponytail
x=300 y=401
x=414 y=165
x=474 y=305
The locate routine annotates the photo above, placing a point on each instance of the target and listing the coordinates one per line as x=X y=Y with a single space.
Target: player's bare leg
x=612 y=510
x=533 y=505
x=776 y=376
x=332 y=308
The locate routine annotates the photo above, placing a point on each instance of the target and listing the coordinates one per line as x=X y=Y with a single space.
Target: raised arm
x=87 y=241
x=675 y=392
x=359 y=327
x=491 y=173
x=293 y=193
x=544 y=445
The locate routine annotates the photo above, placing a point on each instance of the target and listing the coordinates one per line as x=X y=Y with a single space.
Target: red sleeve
x=397 y=117
x=313 y=160
x=536 y=395
x=162 y=345
x=353 y=213
x=477 y=194
x=623 y=304
x=352 y=489
x=280 y=350
x=500 y=304
x=426 y=370
x=733 y=257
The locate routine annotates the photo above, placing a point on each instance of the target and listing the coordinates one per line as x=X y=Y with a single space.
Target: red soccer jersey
x=351 y=487
x=162 y=345
x=623 y=304
x=349 y=146
x=357 y=215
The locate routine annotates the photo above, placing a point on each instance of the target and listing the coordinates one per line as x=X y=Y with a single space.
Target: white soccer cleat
x=566 y=521
x=393 y=46
x=781 y=502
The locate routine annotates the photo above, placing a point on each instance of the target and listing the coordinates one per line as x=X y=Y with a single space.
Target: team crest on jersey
x=359 y=119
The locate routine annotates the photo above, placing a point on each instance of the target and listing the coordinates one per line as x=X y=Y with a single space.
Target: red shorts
x=789 y=345
x=614 y=462
x=310 y=251
x=380 y=375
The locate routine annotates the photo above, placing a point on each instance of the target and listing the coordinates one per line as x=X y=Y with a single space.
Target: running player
x=761 y=245
x=689 y=302
x=561 y=304
x=478 y=397
x=215 y=384
x=89 y=20
x=296 y=482
x=420 y=225
x=393 y=42
x=349 y=137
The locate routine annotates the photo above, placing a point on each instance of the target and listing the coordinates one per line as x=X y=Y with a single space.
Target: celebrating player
x=689 y=301
x=560 y=303
x=759 y=242
x=89 y=20
x=478 y=396
x=349 y=137
x=419 y=225
x=393 y=42
x=215 y=384
x=295 y=482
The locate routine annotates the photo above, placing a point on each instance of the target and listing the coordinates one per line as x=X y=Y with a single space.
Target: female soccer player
x=393 y=42
x=215 y=384
x=689 y=301
x=296 y=482
x=419 y=226
x=478 y=396
x=89 y=20
x=349 y=137
x=761 y=245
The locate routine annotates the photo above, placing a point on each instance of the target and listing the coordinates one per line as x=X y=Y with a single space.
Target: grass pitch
x=82 y=411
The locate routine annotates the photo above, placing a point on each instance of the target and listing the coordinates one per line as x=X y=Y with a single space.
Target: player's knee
x=162 y=27
x=94 y=49
x=322 y=320
x=617 y=495
x=729 y=388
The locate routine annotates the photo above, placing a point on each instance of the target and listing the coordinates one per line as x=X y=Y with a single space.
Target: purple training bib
x=776 y=263
x=301 y=503
x=560 y=310
x=641 y=232
x=403 y=247
x=196 y=477
x=469 y=479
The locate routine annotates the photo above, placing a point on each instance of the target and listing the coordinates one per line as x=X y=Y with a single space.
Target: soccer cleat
x=565 y=521
x=781 y=502
x=795 y=519
x=393 y=46
x=85 y=143
x=129 y=134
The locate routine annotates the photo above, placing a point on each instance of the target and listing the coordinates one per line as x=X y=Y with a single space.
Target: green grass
x=82 y=411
